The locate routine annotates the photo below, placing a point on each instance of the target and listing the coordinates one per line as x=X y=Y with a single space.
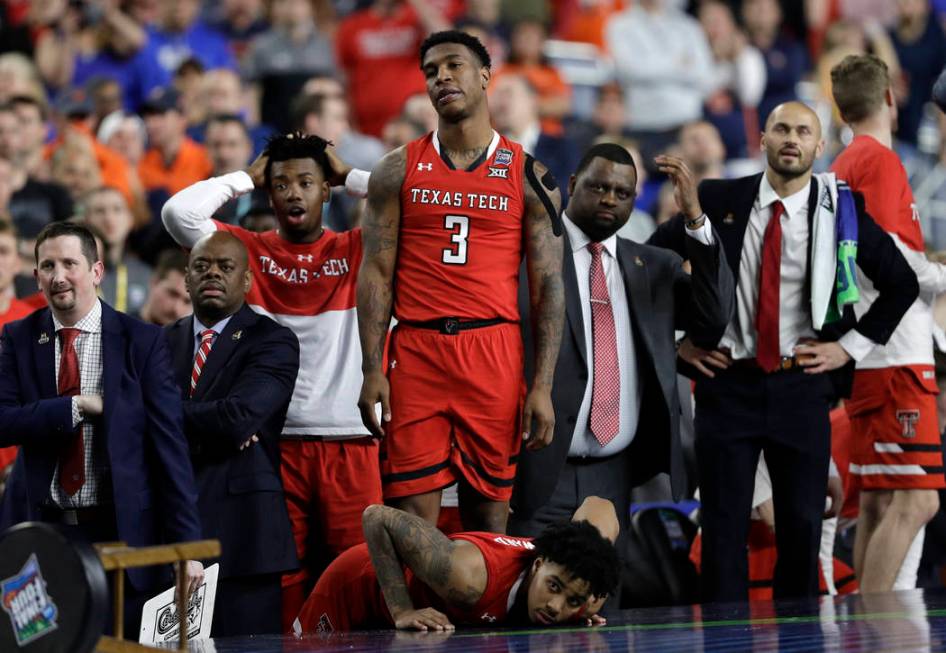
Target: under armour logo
x=425 y=166
x=915 y=211
x=305 y=257
x=908 y=420
x=393 y=364
x=488 y=617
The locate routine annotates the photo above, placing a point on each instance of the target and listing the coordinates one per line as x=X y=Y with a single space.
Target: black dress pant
x=740 y=413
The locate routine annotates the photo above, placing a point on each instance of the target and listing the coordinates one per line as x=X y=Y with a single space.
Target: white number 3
x=460 y=226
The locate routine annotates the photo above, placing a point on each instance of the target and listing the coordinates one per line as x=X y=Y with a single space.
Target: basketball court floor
x=907 y=621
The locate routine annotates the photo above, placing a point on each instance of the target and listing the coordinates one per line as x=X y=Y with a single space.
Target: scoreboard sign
x=53 y=592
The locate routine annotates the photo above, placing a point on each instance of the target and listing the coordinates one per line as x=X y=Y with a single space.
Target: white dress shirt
x=583 y=440
x=794 y=302
x=217 y=329
x=88 y=346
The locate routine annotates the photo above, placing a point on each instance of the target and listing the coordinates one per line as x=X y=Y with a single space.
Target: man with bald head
x=770 y=382
x=236 y=370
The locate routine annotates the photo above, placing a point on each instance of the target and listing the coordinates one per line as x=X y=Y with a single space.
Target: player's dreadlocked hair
x=455 y=36
x=299 y=146
x=581 y=549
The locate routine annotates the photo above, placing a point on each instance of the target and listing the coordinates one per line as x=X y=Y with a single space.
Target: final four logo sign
x=23 y=597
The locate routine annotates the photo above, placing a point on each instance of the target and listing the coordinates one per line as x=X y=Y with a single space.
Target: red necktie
x=206 y=342
x=768 y=353
x=606 y=389
x=72 y=459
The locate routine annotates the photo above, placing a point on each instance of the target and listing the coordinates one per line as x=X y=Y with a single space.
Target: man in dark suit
x=236 y=370
x=769 y=385
x=88 y=394
x=617 y=410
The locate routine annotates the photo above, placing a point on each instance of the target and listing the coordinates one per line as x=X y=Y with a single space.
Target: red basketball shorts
x=456 y=407
x=346 y=597
x=897 y=444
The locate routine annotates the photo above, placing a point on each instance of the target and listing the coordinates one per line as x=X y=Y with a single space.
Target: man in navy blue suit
x=236 y=370
x=88 y=395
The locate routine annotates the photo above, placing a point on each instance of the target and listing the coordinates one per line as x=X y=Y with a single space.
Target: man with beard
x=617 y=362
x=780 y=365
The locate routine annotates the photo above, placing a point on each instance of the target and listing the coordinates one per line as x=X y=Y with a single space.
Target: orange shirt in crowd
x=114 y=170
x=578 y=22
x=547 y=83
x=17 y=310
x=192 y=164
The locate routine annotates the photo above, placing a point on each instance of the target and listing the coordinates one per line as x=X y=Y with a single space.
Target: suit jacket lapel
x=184 y=343
x=224 y=347
x=573 y=301
x=637 y=288
x=113 y=346
x=731 y=225
x=44 y=356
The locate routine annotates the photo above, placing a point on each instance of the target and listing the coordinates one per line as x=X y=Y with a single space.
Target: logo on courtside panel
x=908 y=420
x=23 y=597
x=325 y=625
x=502 y=173
x=503 y=157
x=488 y=617
x=425 y=166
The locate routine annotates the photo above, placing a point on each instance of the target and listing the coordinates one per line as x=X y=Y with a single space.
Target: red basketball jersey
x=460 y=241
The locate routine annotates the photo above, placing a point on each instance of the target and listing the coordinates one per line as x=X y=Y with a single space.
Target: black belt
x=451 y=326
x=79 y=516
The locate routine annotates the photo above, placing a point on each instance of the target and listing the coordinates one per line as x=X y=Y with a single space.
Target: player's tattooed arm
x=454 y=570
x=547 y=302
x=379 y=235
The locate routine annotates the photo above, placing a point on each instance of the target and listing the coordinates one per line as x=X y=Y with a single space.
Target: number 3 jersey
x=461 y=236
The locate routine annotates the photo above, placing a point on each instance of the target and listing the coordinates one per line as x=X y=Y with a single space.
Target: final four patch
x=23 y=597
x=503 y=157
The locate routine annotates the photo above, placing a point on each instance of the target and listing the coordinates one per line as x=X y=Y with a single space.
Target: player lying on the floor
x=412 y=576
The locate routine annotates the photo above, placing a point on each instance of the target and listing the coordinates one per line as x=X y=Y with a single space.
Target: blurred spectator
x=607 y=123
x=378 y=50
x=187 y=81
x=31 y=204
x=229 y=147
x=928 y=180
x=145 y=12
x=32 y=115
x=260 y=218
x=124 y=286
x=124 y=133
x=526 y=59
x=786 y=59
x=178 y=35
x=420 y=109
x=172 y=161
x=327 y=116
x=400 y=131
x=663 y=62
x=167 y=300
x=585 y=20
x=921 y=49
x=19 y=76
x=89 y=39
x=482 y=19
x=323 y=84
x=11 y=308
x=703 y=151
x=74 y=166
x=239 y=21
x=14 y=37
x=738 y=80
x=105 y=95
x=514 y=106
x=220 y=92
x=280 y=60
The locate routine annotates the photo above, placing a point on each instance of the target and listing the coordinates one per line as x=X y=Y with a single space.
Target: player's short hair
x=60 y=229
x=609 y=151
x=584 y=552
x=170 y=260
x=472 y=43
x=299 y=146
x=859 y=84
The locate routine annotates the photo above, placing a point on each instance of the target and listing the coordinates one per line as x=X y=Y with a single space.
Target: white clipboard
x=159 y=620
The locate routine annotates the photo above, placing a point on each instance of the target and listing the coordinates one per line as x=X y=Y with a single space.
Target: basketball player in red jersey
x=897 y=457
x=564 y=575
x=449 y=217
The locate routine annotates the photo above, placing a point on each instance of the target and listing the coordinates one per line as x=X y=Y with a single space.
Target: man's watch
x=696 y=222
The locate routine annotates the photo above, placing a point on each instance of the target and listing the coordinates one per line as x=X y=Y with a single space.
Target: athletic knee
x=917 y=506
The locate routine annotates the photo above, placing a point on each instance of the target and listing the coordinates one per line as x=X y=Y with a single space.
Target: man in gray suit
x=617 y=410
